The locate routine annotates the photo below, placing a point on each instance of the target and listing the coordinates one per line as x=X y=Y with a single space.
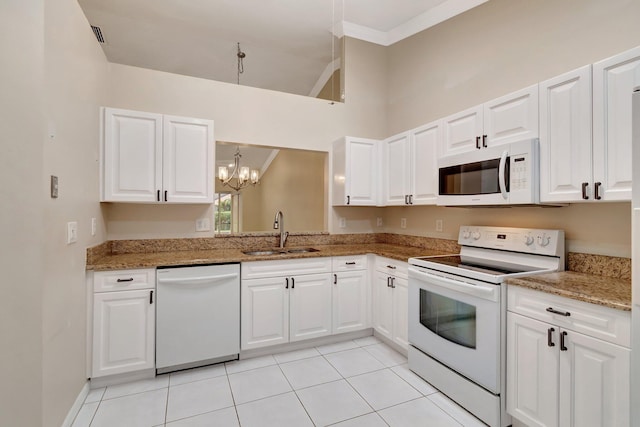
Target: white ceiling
x=288 y=43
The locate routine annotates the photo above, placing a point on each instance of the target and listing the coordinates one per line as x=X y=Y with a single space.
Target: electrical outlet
x=72 y=232
x=379 y=222
x=438 y=225
x=94 y=226
x=342 y=223
x=403 y=222
x=203 y=224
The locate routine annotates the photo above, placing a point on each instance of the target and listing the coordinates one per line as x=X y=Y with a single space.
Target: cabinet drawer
x=347 y=263
x=262 y=269
x=124 y=280
x=392 y=266
x=606 y=323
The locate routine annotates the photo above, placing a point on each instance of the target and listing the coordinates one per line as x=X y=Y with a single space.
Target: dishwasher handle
x=197 y=279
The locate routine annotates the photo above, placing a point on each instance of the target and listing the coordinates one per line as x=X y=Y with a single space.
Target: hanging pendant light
x=242 y=175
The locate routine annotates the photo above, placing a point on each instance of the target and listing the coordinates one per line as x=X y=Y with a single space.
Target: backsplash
x=599 y=265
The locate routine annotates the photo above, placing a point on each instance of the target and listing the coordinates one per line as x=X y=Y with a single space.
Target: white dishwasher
x=197 y=316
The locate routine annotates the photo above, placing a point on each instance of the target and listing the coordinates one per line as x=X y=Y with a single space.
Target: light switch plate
x=403 y=222
x=72 y=232
x=438 y=225
x=54 y=187
x=342 y=223
x=379 y=222
x=94 y=226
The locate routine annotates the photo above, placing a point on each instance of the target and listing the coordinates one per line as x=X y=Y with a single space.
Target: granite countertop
x=607 y=291
x=212 y=256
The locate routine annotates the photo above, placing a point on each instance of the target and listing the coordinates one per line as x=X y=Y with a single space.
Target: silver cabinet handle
x=584 y=190
x=561 y=313
x=596 y=191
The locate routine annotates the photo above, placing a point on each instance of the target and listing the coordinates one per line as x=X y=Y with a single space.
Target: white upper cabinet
x=463 y=131
x=510 y=118
x=396 y=169
x=187 y=161
x=132 y=156
x=355 y=167
x=613 y=82
x=151 y=158
x=565 y=136
x=410 y=166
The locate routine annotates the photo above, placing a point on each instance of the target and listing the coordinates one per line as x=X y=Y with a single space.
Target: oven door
x=457 y=323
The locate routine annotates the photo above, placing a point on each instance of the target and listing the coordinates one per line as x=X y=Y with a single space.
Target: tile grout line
x=233 y=399
x=295 y=392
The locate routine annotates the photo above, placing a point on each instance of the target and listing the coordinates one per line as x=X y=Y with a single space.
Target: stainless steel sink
x=301 y=250
x=263 y=252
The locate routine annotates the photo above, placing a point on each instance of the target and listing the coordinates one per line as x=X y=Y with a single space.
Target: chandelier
x=240 y=177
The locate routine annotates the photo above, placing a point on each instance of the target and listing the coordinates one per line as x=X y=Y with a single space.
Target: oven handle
x=502 y=175
x=488 y=292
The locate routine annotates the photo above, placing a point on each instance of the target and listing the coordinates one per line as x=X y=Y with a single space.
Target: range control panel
x=525 y=240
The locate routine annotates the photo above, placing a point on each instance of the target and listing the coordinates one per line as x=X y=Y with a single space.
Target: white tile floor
x=359 y=383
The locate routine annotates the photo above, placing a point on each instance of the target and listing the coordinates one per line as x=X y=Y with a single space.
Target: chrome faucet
x=278 y=223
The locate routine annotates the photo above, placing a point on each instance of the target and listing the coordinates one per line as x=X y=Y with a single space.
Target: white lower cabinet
x=391 y=301
x=351 y=302
x=123 y=322
x=290 y=306
x=559 y=377
x=293 y=300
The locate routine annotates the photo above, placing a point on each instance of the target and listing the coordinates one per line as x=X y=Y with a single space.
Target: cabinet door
x=396 y=169
x=594 y=383
x=362 y=172
x=264 y=317
x=188 y=160
x=565 y=136
x=132 y=156
x=400 y=312
x=532 y=371
x=512 y=117
x=613 y=82
x=310 y=306
x=462 y=130
x=424 y=163
x=383 y=305
x=350 y=301
x=123 y=332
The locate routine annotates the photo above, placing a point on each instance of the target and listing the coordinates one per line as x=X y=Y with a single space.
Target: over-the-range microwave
x=502 y=175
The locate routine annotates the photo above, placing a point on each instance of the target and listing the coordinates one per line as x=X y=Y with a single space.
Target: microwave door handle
x=502 y=175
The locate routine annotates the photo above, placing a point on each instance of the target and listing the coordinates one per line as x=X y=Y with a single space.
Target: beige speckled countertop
x=596 y=279
x=211 y=256
x=607 y=291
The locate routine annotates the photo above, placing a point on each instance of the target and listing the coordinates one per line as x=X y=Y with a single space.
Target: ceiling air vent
x=98 y=32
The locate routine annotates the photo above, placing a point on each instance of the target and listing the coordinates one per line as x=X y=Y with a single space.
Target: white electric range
x=457 y=312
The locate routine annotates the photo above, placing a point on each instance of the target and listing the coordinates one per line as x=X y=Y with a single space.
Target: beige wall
x=494 y=49
x=21 y=221
x=293 y=184
x=247 y=115
x=75 y=72
x=498 y=47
